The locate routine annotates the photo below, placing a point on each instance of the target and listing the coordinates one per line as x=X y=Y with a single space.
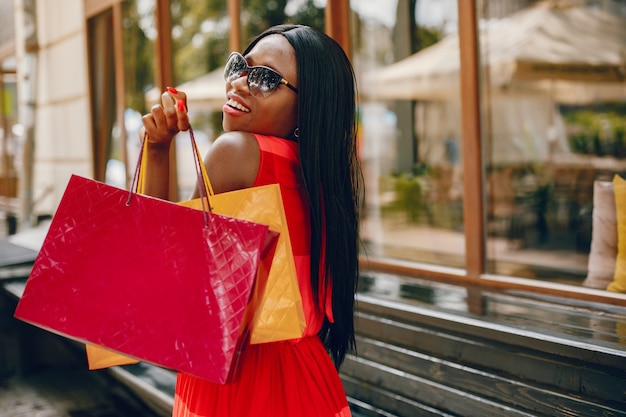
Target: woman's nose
x=241 y=81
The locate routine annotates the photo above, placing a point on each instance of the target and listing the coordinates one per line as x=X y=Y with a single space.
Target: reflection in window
x=10 y=131
x=139 y=34
x=554 y=124
x=408 y=69
x=102 y=84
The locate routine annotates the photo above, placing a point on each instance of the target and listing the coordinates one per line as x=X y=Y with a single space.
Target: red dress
x=294 y=378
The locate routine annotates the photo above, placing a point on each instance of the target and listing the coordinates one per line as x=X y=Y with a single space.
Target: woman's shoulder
x=232 y=161
x=235 y=140
x=240 y=146
x=242 y=139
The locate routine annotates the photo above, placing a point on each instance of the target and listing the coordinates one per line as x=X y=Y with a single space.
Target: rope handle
x=205 y=189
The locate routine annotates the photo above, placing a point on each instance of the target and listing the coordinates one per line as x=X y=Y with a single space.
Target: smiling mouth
x=232 y=103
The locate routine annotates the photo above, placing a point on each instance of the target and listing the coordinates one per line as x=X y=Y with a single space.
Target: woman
x=292 y=122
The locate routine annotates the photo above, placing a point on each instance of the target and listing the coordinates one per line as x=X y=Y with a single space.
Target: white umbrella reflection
x=205 y=93
x=575 y=55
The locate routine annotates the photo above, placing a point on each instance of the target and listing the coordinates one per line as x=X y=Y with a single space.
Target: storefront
x=483 y=125
x=491 y=131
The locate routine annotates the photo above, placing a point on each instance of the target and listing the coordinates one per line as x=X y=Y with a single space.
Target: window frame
x=473 y=203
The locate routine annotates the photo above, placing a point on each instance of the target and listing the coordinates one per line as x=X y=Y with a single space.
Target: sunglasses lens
x=235 y=67
x=262 y=81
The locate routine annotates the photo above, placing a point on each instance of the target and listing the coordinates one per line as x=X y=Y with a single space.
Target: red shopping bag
x=146 y=278
x=275 y=311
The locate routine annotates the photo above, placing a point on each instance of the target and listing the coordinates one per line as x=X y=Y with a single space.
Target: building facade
x=485 y=125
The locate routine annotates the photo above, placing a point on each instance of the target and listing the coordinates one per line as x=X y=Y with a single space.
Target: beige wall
x=62 y=117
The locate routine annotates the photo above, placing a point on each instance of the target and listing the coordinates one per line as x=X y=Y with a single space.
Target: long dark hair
x=331 y=172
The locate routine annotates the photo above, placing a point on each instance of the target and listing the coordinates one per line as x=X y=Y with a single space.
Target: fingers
x=157 y=126
x=180 y=104
x=170 y=114
x=168 y=118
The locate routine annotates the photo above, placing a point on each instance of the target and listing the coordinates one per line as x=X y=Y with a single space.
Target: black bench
x=421 y=353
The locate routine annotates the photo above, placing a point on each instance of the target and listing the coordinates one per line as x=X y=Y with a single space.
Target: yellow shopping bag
x=99 y=357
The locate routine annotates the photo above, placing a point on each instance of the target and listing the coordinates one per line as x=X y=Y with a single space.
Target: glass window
x=200 y=32
x=102 y=84
x=552 y=121
x=138 y=34
x=554 y=108
x=10 y=131
x=115 y=151
x=407 y=64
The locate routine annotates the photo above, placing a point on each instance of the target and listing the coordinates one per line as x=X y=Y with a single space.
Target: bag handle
x=205 y=189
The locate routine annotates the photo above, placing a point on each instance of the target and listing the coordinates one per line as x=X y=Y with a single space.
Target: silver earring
x=296 y=132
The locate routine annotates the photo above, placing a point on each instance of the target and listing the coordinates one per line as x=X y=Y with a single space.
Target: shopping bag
x=126 y=272
x=100 y=358
x=277 y=303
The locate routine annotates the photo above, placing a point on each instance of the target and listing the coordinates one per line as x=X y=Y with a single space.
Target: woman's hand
x=165 y=120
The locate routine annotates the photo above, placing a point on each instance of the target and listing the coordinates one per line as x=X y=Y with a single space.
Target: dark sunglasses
x=261 y=80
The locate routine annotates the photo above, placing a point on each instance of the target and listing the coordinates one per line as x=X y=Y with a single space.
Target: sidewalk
x=75 y=392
